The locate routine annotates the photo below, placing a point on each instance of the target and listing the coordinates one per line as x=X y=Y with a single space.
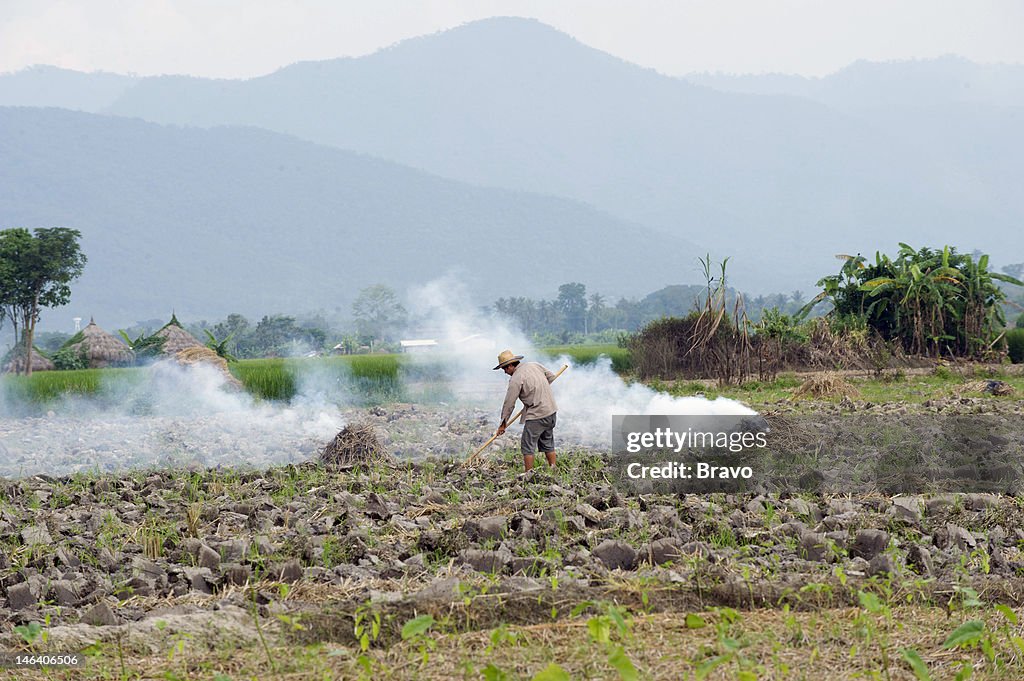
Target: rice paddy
x=368 y=379
x=47 y=386
x=380 y=378
x=622 y=362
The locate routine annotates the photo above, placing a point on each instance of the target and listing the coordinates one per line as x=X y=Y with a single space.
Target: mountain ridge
x=779 y=182
x=245 y=220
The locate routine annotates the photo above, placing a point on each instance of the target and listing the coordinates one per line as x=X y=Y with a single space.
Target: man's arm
x=548 y=374
x=510 y=402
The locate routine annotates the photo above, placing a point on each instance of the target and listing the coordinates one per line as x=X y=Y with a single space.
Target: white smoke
x=164 y=415
x=470 y=339
x=172 y=416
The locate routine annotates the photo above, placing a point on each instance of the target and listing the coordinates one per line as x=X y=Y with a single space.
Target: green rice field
x=589 y=354
x=370 y=379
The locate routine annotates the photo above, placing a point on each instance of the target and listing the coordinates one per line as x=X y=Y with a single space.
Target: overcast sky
x=242 y=38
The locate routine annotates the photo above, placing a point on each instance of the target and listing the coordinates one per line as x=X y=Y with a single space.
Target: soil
x=153 y=557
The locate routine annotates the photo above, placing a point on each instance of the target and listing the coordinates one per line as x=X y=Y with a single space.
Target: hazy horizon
x=537 y=133
x=235 y=40
x=719 y=73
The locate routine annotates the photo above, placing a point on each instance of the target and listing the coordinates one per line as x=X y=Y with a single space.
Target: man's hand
x=501 y=428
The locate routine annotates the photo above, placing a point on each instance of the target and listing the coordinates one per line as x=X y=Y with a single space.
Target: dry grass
x=825 y=385
x=989 y=387
x=204 y=355
x=771 y=645
x=356 y=444
x=201 y=354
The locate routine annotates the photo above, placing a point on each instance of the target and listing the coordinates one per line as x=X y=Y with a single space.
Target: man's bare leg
x=528 y=461
x=550 y=457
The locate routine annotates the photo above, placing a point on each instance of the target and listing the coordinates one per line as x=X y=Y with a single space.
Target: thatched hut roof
x=39 y=363
x=176 y=338
x=100 y=348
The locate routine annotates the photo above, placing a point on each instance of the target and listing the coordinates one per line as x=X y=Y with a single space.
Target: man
x=530 y=383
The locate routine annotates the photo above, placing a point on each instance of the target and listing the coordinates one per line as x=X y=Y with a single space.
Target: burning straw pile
x=203 y=355
x=356 y=444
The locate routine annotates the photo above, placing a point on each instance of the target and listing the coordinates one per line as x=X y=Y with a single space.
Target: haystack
x=989 y=387
x=204 y=355
x=825 y=385
x=100 y=348
x=39 y=363
x=355 y=444
x=176 y=338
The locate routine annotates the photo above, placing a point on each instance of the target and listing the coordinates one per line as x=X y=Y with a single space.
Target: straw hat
x=506 y=357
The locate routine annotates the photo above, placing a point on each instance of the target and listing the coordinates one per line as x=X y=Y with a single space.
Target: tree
x=36 y=271
x=521 y=310
x=1015 y=270
x=378 y=313
x=572 y=302
x=595 y=310
x=279 y=335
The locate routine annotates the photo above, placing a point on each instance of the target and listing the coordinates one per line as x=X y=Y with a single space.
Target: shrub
x=930 y=301
x=691 y=346
x=658 y=349
x=1015 y=345
x=782 y=327
x=69 y=359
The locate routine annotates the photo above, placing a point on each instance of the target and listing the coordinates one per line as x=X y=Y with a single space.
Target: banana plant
x=220 y=346
x=144 y=346
x=931 y=301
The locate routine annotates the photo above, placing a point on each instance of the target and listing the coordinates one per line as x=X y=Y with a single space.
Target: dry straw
x=825 y=385
x=356 y=444
x=990 y=387
x=204 y=355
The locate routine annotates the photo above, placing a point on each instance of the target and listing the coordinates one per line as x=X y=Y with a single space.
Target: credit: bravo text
x=688 y=471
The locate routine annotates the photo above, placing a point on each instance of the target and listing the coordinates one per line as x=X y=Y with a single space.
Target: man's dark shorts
x=538 y=432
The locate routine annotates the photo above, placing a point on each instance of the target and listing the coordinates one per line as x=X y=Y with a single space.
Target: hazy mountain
x=868 y=85
x=52 y=86
x=781 y=171
x=207 y=222
x=968 y=116
x=782 y=181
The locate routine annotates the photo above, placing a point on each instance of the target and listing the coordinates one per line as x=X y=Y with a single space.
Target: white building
x=418 y=344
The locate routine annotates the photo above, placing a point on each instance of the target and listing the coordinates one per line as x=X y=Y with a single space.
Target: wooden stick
x=511 y=421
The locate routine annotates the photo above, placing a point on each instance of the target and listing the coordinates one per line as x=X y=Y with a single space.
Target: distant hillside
x=865 y=85
x=208 y=222
x=968 y=117
x=780 y=172
x=52 y=86
x=781 y=181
